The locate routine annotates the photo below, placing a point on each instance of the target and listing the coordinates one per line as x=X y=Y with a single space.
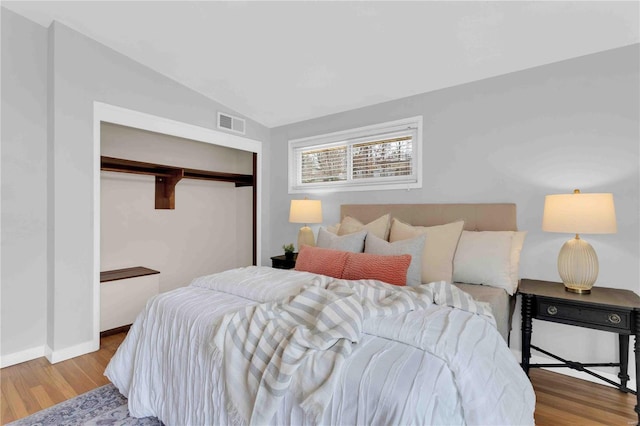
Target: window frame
x=351 y=137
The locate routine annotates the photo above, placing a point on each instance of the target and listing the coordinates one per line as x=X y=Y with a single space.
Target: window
x=383 y=156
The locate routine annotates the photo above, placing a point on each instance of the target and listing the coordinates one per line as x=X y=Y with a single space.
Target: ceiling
x=284 y=62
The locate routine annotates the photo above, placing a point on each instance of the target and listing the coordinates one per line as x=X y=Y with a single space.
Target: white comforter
x=452 y=367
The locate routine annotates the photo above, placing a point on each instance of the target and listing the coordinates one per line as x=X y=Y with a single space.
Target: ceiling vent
x=229 y=122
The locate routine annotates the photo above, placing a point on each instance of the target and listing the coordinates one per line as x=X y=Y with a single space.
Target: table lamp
x=305 y=211
x=579 y=213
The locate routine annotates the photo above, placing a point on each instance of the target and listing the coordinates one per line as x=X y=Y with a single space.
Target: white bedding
x=454 y=369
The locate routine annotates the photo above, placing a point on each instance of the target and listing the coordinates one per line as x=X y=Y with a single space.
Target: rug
x=101 y=406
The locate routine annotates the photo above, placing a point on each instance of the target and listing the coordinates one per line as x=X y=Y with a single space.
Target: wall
x=78 y=71
x=24 y=186
x=192 y=240
x=515 y=138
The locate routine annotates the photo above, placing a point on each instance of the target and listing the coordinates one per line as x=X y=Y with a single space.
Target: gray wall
x=514 y=138
x=24 y=184
x=77 y=71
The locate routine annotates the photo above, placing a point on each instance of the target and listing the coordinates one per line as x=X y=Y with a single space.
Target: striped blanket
x=262 y=346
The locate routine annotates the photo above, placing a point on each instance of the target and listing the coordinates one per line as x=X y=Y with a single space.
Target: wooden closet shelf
x=168 y=176
x=238 y=179
x=122 y=274
x=111 y=164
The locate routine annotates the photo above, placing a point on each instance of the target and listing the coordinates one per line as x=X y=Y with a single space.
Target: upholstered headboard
x=477 y=217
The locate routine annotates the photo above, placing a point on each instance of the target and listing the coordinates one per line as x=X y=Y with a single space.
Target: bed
x=369 y=352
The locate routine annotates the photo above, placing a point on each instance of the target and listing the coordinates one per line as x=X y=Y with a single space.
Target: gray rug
x=101 y=406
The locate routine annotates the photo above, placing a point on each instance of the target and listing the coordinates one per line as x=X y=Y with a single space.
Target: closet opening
x=170 y=207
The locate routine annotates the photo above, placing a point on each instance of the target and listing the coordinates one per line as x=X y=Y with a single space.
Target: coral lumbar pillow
x=353 y=266
x=390 y=269
x=321 y=261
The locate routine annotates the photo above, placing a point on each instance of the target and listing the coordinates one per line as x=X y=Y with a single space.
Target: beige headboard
x=477 y=217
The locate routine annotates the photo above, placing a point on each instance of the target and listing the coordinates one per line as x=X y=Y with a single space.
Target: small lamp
x=579 y=213
x=305 y=211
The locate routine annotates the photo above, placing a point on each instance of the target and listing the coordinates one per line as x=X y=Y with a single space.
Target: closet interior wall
x=209 y=230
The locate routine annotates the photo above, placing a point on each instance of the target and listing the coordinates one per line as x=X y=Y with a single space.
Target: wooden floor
x=34 y=385
x=31 y=386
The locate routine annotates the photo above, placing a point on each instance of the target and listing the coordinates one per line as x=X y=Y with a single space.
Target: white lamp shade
x=579 y=214
x=305 y=211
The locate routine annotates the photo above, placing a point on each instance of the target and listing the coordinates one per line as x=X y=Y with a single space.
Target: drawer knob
x=552 y=310
x=614 y=318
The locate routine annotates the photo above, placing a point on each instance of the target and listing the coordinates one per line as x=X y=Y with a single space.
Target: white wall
x=192 y=240
x=24 y=186
x=515 y=138
x=78 y=71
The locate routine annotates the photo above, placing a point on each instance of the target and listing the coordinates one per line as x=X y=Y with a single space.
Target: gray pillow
x=412 y=246
x=351 y=242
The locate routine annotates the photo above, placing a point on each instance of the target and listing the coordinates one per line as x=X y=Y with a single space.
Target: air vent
x=229 y=122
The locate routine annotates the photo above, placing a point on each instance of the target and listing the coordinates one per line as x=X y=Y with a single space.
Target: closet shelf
x=123 y=274
x=168 y=176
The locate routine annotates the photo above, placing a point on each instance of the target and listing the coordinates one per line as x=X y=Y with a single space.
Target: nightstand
x=607 y=309
x=281 y=262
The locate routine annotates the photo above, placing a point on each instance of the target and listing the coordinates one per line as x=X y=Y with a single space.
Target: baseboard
x=72 y=352
x=22 y=356
x=536 y=359
x=123 y=329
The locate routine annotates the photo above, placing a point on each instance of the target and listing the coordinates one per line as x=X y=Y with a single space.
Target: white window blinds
x=323 y=164
x=384 y=156
x=389 y=157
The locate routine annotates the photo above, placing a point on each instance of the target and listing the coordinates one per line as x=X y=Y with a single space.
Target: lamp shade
x=579 y=213
x=305 y=211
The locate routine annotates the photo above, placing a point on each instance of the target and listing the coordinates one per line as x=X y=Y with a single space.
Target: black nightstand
x=281 y=262
x=607 y=309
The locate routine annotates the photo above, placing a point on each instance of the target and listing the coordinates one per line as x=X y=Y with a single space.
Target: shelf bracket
x=166 y=190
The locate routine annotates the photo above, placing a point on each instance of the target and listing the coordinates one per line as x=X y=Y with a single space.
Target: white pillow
x=378 y=227
x=489 y=257
x=352 y=242
x=413 y=246
x=516 y=249
x=439 y=247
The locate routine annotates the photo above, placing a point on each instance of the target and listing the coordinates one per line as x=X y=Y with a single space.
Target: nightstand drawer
x=551 y=310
